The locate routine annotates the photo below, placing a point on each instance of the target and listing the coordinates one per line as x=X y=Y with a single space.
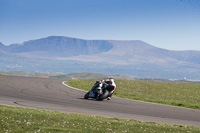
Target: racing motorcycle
x=99 y=91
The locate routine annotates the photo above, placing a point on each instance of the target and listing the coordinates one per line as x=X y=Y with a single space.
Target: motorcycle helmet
x=112 y=79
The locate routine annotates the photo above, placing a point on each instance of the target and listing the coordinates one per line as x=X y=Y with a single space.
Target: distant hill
x=70 y=55
x=114 y=52
x=1 y=45
x=84 y=75
x=71 y=76
x=141 y=53
x=2 y=49
x=57 y=46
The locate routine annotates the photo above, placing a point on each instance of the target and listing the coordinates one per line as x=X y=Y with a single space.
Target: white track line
x=72 y=87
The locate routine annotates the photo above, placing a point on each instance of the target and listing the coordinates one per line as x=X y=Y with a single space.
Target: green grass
x=17 y=120
x=170 y=93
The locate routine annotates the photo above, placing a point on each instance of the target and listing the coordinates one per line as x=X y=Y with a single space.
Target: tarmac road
x=51 y=94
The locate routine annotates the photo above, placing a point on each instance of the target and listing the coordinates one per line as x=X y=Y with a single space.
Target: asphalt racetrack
x=51 y=94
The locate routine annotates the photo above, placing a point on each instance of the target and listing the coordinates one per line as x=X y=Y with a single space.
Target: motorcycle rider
x=109 y=84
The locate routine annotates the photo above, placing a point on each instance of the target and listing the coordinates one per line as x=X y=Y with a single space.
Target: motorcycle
x=99 y=91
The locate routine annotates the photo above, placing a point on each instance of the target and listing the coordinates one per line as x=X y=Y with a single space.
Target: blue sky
x=169 y=24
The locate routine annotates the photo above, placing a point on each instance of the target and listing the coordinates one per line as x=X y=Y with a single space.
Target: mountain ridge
x=61 y=37
x=59 y=46
x=121 y=52
x=112 y=56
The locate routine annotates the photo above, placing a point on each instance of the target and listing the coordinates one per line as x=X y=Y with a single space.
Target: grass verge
x=13 y=119
x=170 y=93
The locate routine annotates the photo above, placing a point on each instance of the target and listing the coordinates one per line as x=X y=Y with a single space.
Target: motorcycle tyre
x=87 y=95
x=103 y=96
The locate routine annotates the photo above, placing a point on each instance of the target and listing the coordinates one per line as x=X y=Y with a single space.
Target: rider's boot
x=110 y=95
x=109 y=98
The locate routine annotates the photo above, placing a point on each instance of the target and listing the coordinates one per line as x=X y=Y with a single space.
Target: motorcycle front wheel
x=87 y=95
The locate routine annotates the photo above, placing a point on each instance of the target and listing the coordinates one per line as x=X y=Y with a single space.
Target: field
x=13 y=119
x=71 y=76
x=170 y=93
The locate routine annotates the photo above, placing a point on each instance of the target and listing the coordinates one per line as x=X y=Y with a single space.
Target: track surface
x=51 y=94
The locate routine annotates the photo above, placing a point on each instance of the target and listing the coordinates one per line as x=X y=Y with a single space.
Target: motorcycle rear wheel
x=103 y=96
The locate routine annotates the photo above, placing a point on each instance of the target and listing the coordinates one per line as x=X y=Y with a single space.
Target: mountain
x=57 y=46
x=69 y=55
x=2 y=49
x=138 y=52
